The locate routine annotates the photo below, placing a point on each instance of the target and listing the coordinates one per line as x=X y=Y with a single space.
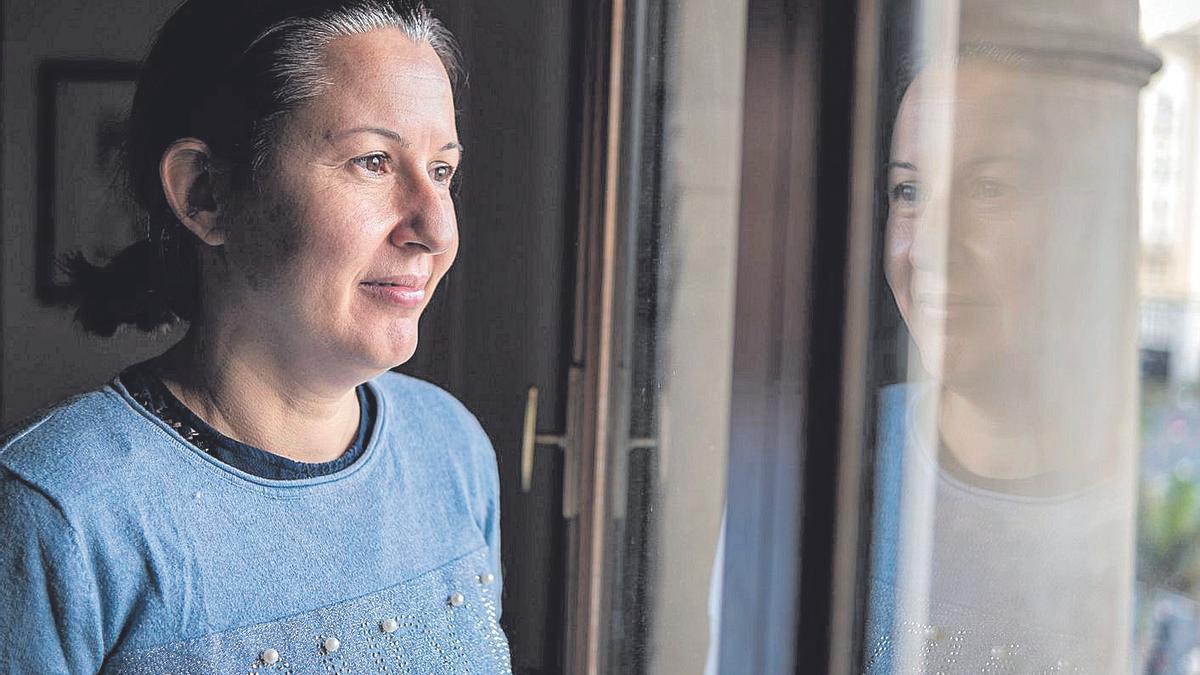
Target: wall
x=45 y=356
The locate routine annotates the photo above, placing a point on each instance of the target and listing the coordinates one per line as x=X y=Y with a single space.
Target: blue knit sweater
x=125 y=549
x=1014 y=583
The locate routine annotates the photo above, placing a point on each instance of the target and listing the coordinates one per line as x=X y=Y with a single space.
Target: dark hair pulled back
x=224 y=72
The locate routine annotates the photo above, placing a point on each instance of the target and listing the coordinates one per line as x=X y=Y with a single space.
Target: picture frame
x=83 y=108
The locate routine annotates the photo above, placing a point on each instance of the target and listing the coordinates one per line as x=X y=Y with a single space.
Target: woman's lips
x=407 y=291
x=941 y=307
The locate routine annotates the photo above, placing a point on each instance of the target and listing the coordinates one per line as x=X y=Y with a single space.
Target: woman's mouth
x=407 y=291
x=942 y=307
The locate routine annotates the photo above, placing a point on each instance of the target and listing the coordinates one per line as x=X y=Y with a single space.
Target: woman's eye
x=377 y=163
x=989 y=189
x=442 y=173
x=907 y=193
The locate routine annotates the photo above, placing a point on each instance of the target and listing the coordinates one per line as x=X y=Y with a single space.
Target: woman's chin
x=399 y=353
x=385 y=350
x=397 y=339
x=403 y=358
x=956 y=361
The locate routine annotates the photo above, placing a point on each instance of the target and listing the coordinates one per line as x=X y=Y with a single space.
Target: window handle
x=530 y=439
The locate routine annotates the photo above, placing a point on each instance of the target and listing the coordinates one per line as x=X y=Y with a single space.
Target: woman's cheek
x=897 y=263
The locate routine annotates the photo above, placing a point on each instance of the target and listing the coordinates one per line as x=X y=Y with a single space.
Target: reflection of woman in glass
x=999 y=532
x=265 y=495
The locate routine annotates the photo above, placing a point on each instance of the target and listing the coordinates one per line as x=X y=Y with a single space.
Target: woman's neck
x=241 y=390
x=990 y=441
x=1006 y=441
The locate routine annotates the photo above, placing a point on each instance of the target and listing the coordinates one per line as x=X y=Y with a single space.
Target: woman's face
x=336 y=254
x=965 y=233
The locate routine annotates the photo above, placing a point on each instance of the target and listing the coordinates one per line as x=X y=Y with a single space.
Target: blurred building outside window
x=1167 y=622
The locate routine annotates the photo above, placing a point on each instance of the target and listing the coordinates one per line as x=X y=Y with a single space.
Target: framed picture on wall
x=82 y=206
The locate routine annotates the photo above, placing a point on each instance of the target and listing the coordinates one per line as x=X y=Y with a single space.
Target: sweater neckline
x=148 y=389
x=273 y=487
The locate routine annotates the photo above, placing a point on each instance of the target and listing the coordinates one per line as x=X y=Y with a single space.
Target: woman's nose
x=940 y=238
x=927 y=251
x=427 y=219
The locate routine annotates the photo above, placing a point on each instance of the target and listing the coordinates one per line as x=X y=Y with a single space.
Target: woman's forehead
x=383 y=79
x=978 y=104
x=383 y=52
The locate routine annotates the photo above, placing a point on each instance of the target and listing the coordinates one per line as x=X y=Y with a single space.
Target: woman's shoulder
x=65 y=431
x=896 y=405
x=75 y=449
x=410 y=398
x=416 y=409
x=402 y=386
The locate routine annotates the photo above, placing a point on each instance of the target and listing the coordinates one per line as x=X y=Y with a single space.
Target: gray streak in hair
x=300 y=67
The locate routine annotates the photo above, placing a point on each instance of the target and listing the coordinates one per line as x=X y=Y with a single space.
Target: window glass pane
x=1167 y=612
x=675 y=263
x=1008 y=432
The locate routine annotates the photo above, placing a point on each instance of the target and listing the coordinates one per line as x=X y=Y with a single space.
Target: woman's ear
x=188 y=184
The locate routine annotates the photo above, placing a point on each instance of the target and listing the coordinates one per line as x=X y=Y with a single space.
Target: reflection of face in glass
x=963 y=247
x=998 y=225
x=1008 y=252
x=993 y=233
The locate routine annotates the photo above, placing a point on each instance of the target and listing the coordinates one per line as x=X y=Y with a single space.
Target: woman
x=1001 y=525
x=266 y=495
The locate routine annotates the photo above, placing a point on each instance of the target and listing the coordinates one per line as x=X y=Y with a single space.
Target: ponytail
x=147 y=286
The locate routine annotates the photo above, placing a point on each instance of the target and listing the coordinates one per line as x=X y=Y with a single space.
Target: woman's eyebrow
x=379 y=131
x=900 y=165
x=978 y=162
x=388 y=133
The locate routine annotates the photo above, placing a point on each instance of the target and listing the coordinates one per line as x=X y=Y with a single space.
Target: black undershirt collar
x=148 y=390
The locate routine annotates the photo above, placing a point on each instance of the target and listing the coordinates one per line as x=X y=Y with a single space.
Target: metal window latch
x=567 y=442
x=530 y=439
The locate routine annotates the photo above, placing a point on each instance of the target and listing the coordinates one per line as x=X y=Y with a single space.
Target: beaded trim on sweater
x=149 y=391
